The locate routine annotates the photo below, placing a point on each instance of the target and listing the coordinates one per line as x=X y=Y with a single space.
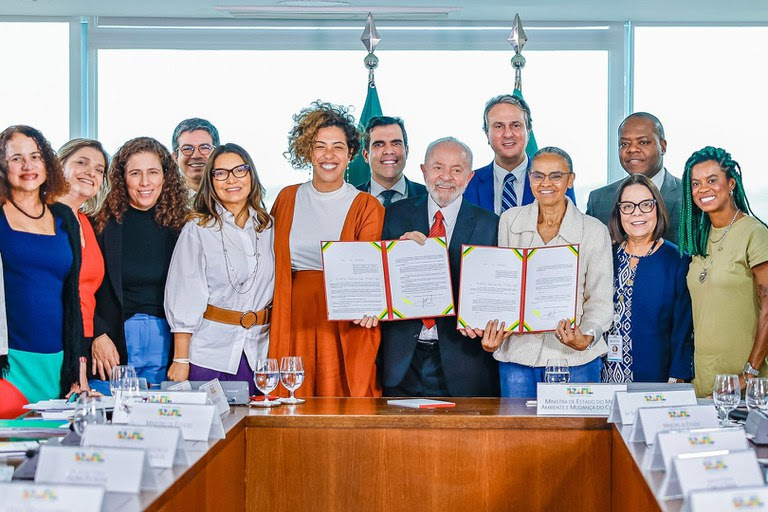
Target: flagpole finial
x=370 y=39
x=517 y=39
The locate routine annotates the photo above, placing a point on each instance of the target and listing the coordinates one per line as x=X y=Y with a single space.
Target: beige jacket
x=594 y=304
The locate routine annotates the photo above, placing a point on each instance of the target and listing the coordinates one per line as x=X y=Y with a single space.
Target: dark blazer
x=108 y=318
x=469 y=370
x=602 y=201
x=72 y=336
x=480 y=188
x=411 y=189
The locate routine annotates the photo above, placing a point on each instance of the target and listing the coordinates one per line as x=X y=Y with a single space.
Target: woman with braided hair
x=728 y=276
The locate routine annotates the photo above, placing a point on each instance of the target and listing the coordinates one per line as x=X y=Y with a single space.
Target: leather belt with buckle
x=246 y=319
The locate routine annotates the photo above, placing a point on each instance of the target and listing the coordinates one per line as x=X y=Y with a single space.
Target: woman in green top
x=728 y=275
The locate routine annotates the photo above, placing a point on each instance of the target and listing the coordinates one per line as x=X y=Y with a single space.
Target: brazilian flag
x=359 y=171
x=532 y=147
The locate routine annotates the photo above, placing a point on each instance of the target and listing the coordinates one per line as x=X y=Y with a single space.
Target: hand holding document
x=530 y=290
x=392 y=280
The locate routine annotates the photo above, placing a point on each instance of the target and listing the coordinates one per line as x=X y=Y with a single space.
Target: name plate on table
x=216 y=395
x=652 y=420
x=29 y=497
x=197 y=422
x=575 y=399
x=120 y=414
x=114 y=469
x=672 y=444
x=711 y=470
x=625 y=405
x=729 y=500
x=163 y=445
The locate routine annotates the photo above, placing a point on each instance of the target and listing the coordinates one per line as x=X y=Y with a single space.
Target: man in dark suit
x=641 y=151
x=431 y=358
x=504 y=183
x=385 y=148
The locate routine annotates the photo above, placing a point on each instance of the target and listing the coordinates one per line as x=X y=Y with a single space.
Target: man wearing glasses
x=504 y=183
x=193 y=141
x=641 y=151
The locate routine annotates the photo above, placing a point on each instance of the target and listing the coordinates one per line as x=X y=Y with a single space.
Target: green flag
x=359 y=171
x=532 y=147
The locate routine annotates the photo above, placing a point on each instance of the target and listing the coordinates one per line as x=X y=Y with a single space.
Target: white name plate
x=729 y=500
x=625 y=405
x=164 y=446
x=575 y=399
x=120 y=414
x=197 y=422
x=216 y=395
x=710 y=470
x=671 y=444
x=27 y=497
x=652 y=420
x=114 y=469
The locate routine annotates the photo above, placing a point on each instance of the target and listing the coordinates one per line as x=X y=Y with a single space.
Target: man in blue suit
x=431 y=358
x=385 y=148
x=504 y=183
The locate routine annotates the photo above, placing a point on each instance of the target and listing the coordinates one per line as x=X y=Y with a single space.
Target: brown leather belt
x=246 y=319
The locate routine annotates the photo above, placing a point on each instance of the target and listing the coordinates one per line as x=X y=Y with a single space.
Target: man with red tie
x=430 y=357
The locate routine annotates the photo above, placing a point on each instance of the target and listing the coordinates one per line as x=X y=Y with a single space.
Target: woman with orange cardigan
x=339 y=357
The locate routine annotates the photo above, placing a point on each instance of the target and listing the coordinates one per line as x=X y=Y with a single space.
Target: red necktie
x=437 y=229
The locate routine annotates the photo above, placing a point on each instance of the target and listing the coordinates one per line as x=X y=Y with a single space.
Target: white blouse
x=198 y=276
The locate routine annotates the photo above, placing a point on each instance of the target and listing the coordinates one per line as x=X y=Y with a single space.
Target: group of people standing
x=170 y=261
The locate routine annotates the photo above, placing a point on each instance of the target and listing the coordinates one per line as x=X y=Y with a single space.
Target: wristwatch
x=748 y=369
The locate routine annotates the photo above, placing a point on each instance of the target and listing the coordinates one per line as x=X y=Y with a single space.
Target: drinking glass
x=292 y=377
x=267 y=377
x=757 y=394
x=89 y=410
x=557 y=371
x=726 y=395
x=119 y=374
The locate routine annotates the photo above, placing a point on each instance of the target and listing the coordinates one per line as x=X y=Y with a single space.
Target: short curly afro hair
x=309 y=121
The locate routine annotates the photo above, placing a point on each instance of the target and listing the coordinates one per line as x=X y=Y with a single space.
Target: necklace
x=230 y=269
x=721 y=240
x=38 y=217
x=650 y=250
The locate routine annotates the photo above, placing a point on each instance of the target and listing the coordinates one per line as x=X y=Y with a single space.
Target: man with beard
x=385 y=148
x=193 y=140
x=429 y=357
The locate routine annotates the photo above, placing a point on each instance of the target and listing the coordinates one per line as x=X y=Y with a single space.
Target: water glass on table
x=756 y=395
x=726 y=394
x=557 y=371
x=266 y=377
x=89 y=410
x=292 y=377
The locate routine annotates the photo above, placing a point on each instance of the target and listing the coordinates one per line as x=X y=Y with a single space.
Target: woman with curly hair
x=339 y=357
x=218 y=298
x=137 y=230
x=40 y=249
x=728 y=275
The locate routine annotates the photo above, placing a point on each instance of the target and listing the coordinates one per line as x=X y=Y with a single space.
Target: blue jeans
x=148 y=342
x=519 y=381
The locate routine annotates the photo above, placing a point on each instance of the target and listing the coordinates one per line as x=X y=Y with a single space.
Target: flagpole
x=518 y=39
x=370 y=39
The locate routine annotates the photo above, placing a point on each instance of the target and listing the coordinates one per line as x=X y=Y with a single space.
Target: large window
x=707 y=85
x=35 y=84
x=251 y=95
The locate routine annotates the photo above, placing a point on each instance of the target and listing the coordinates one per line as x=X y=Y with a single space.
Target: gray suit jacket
x=602 y=200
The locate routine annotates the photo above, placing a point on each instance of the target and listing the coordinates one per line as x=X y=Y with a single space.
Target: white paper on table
x=54 y=498
x=710 y=470
x=652 y=420
x=729 y=500
x=120 y=415
x=551 y=284
x=117 y=470
x=354 y=280
x=673 y=443
x=216 y=396
x=197 y=422
x=164 y=445
x=575 y=399
x=490 y=286
x=625 y=404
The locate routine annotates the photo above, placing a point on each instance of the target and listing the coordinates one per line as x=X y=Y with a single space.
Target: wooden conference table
x=341 y=454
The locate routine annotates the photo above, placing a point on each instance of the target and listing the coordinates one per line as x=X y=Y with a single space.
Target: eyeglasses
x=189 y=149
x=223 y=174
x=628 y=207
x=555 y=177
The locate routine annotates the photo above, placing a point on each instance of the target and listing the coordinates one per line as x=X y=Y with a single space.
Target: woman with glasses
x=137 y=230
x=651 y=339
x=218 y=297
x=339 y=357
x=728 y=276
x=552 y=220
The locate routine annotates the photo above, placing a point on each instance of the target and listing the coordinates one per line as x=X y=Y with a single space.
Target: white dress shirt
x=399 y=187
x=499 y=173
x=197 y=277
x=450 y=214
x=658 y=180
